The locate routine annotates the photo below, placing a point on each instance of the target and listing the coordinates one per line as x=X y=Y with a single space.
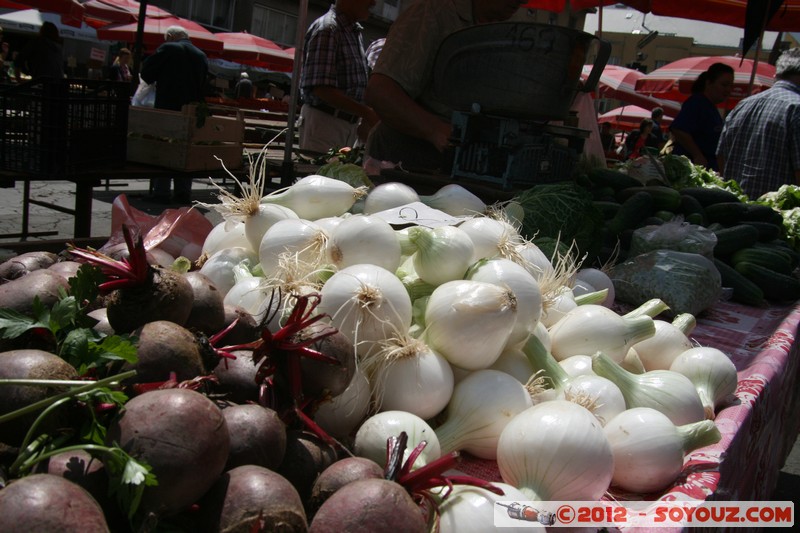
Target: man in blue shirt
x=760 y=142
x=334 y=79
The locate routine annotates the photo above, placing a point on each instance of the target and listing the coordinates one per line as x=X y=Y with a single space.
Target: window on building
x=660 y=63
x=214 y=13
x=277 y=26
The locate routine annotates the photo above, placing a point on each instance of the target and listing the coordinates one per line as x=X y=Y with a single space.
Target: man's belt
x=337 y=113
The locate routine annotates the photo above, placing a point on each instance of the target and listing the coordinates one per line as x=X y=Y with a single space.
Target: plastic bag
x=675 y=235
x=178 y=232
x=145 y=95
x=688 y=283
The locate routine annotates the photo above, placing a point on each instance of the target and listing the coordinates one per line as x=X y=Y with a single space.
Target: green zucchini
x=776 y=286
x=607 y=209
x=770 y=258
x=710 y=195
x=734 y=238
x=744 y=291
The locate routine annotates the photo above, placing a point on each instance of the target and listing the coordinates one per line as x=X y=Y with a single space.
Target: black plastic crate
x=57 y=128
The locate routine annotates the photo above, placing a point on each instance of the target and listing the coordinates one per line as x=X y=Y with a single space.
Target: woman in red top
x=637 y=139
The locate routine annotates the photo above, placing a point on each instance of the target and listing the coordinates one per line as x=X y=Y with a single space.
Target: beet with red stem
x=137 y=292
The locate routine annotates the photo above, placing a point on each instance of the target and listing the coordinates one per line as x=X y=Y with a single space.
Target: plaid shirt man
x=760 y=142
x=334 y=56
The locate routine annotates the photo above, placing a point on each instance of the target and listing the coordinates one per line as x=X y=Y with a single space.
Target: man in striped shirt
x=334 y=78
x=760 y=143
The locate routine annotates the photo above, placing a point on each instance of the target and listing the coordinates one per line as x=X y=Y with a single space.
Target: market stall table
x=758 y=429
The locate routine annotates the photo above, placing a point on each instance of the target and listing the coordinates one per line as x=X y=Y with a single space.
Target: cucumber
x=770 y=258
x=606 y=177
x=744 y=291
x=607 y=209
x=767 y=231
x=690 y=205
x=664 y=198
x=710 y=195
x=776 y=286
x=726 y=213
x=631 y=213
x=734 y=238
x=783 y=247
x=762 y=213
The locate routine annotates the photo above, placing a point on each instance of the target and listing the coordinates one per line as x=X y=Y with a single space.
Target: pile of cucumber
x=751 y=253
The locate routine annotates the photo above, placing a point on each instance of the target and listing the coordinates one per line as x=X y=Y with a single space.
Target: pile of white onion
x=468 y=337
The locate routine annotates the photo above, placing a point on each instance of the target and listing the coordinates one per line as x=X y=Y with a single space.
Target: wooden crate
x=227 y=125
x=184 y=156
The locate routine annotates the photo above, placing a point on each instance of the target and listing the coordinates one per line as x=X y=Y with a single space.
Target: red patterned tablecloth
x=758 y=429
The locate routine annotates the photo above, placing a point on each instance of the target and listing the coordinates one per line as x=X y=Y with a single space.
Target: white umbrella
x=30 y=20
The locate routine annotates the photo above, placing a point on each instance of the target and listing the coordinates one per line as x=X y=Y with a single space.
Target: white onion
x=659 y=351
x=455 y=200
x=533 y=259
x=389 y=195
x=264 y=217
x=296 y=244
x=663 y=390
x=514 y=362
x=556 y=451
x=557 y=308
x=589 y=328
x=443 y=253
x=342 y=414
x=411 y=377
x=577 y=365
x=490 y=237
x=371 y=437
x=226 y=234
x=712 y=373
x=469 y=322
x=598 y=394
x=506 y=273
x=316 y=196
x=471 y=509
x=649 y=449
x=367 y=304
x=481 y=406
x=599 y=280
x=364 y=239
x=219 y=267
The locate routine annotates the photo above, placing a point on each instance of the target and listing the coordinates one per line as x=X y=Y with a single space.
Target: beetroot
x=251 y=498
x=183 y=436
x=137 y=292
x=237 y=377
x=68 y=269
x=23 y=264
x=369 y=506
x=29 y=364
x=306 y=457
x=166 y=347
x=44 y=502
x=337 y=476
x=246 y=328
x=322 y=377
x=258 y=436
x=207 y=313
x=19 y=293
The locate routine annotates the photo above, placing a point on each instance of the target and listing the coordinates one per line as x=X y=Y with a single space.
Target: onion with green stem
x=482 y=405
x=663 y=390
x=442 y=253
x=649 y=449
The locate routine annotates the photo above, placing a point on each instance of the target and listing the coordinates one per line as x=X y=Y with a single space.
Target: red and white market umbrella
x=674 y=80
x=99 y=13
x=154 y=29
x=248 y=49
x=629 y=117
x=619 y=83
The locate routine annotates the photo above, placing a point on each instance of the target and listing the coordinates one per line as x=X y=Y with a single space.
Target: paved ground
x=63 y=193
x=42 y=219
